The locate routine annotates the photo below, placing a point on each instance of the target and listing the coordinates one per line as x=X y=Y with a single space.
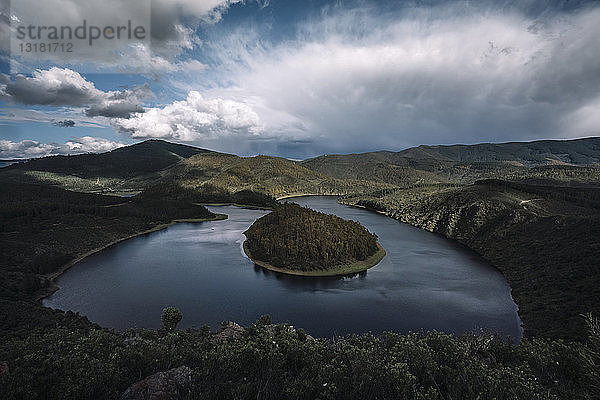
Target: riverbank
x=341 y=270
x=544 y=249
x=291 y=195
x=53 y=287
x=248 y=206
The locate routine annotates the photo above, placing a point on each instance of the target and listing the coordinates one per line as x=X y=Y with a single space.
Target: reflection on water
x=424 y=282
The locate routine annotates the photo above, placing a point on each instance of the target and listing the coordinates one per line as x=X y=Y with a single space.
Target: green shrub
x=170 y=318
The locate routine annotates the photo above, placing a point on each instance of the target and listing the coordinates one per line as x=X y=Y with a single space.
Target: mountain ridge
x=131 y=169
x=463 y=164
x=584 y=151
x=145 y=157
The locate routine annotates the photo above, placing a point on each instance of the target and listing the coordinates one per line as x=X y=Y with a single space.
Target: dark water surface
x=424 y=282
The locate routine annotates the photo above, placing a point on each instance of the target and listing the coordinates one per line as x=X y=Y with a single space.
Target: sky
x=300 y=78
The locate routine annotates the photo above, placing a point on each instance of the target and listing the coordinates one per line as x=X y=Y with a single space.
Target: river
x=425 y=282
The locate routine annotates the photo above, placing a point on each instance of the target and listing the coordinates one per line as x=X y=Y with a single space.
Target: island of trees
x=300 y=241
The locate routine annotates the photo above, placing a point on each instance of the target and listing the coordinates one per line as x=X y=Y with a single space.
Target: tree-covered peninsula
x=300 y=241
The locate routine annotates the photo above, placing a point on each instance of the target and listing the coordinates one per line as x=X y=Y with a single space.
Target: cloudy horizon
x=275 y=77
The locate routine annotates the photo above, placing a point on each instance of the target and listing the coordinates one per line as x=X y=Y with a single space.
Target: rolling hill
x=155 y=163
x=543 y=152
x=274 y=176
x=125 y=162
x=131 y=169
x=566 y=161
x=121 y=171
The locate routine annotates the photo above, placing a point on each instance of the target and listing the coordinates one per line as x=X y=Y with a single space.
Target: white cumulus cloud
x=193 y=120
x=33 y=149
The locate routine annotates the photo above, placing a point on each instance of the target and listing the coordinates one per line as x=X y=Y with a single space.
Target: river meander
x=424 y=282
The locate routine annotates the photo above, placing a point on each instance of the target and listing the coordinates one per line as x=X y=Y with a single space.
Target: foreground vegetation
x=68 y=359
x=298 y=239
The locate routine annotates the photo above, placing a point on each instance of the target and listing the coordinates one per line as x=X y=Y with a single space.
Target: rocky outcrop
x=173 y=384
x=229 y=330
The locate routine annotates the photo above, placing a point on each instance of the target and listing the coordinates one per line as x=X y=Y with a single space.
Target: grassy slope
x=545 y=240
x=271 y=175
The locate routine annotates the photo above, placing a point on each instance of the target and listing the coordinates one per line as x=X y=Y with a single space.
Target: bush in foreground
x=170 y=318
x=277 y=362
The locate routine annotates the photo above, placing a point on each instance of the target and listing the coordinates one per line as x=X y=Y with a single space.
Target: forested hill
x=301 y=239
x=125 y=162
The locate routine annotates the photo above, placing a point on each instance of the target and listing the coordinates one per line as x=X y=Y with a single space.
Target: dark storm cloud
x=174 y=23
x=64 y=87
x=172 y=28
x=360 y=79
x=115 y=110
x=67 y=123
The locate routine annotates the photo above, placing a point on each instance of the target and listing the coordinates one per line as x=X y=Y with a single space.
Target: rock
x=173 y=384
x=229 y=330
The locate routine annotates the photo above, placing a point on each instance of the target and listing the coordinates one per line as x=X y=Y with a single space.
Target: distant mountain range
x=529 y=154
x=459 y=163
x=132 y=168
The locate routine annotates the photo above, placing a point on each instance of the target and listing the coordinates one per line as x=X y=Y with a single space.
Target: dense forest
x=209 y=194
x=299 y=238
